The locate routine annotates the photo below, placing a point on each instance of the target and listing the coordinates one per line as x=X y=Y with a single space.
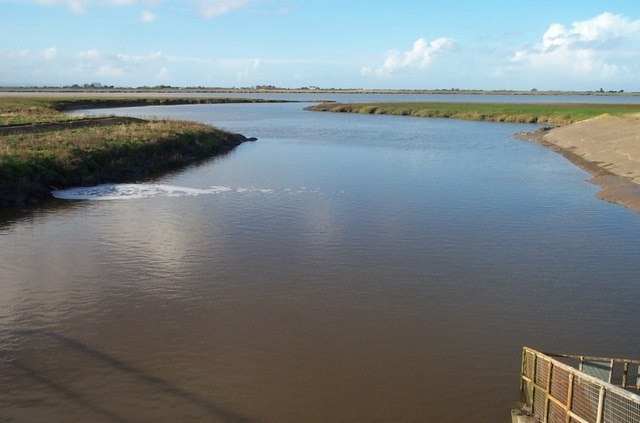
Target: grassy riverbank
x=36 y=156
x=547 y=113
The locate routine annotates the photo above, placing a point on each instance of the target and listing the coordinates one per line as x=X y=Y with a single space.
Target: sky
x=400 y=44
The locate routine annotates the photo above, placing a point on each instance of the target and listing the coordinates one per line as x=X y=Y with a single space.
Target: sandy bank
x=608 y=147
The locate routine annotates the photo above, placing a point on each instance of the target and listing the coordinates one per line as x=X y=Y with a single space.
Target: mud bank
x=608 y=147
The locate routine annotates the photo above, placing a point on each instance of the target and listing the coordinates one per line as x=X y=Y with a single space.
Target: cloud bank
x=207 y=8
x=598 y=47
x=420 y=56
x=80 y=6
x=215 y=8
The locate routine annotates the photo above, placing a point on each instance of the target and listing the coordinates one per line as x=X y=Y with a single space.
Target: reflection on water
x=343 y=268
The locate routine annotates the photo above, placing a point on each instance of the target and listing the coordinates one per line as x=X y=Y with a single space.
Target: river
x=343 y=268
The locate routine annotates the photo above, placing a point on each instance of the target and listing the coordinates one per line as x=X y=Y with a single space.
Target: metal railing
x=560 y=388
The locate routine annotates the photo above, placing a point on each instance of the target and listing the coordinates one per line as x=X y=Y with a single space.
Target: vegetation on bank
x=547 y=113
x=34 y=160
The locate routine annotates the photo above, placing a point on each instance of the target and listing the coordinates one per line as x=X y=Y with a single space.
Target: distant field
x=552 y=114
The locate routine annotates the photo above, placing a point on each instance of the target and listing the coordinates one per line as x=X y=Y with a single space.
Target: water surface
x=343 y=268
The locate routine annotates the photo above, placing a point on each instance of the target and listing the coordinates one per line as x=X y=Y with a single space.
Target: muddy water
x=342 y=268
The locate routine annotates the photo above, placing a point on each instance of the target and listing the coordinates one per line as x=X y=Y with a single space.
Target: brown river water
x=343 y=268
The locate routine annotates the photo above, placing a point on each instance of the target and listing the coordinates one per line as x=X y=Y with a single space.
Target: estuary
x=344 y=267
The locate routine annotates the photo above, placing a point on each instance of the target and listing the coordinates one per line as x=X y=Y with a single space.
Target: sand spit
x=606 y=146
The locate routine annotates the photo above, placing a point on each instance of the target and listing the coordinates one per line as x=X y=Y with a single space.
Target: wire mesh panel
x=528 y=366
x=528 y=374
x=585 y=399
x=556 y=392
x=618 y=409
x=542 y=371
x=560 y=384
x=600 y=369
x=557 y=414
x=539 y=401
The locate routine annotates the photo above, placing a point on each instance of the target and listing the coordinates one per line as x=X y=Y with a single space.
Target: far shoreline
x=304 y=90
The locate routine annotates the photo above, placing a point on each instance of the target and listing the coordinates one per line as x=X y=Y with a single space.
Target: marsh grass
x=549 y=113
x=21 y=111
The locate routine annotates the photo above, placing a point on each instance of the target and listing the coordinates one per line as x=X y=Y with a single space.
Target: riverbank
x=544 y=113
x=606 y=146
x=42 y=148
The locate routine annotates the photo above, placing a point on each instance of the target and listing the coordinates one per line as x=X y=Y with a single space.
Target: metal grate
x=557 y=413
x=618 y=409
x=556 y=392
x=560 y=384
x=585 y=399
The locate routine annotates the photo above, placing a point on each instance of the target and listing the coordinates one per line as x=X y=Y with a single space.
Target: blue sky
x=421 y=44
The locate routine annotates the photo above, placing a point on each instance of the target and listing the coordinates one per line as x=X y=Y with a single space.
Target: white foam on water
x=137 y=191
x=133 y=191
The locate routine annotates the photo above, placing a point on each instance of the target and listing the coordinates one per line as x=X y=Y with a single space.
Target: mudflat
x=606 y=146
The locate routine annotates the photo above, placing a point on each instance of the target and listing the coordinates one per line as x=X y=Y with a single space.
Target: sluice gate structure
x=563 y=388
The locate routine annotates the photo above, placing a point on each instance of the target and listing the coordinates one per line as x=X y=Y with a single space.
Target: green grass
x=547 y=113
x=25 y=110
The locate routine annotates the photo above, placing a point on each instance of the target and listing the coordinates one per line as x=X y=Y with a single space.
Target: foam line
x=137 y=191
x=133 y=191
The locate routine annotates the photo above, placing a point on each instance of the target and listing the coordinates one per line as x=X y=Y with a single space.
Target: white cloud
x=598 y=47
x=95 y=55
x=420 y=56
x=147 y=16
x=139 y=58
x=81 y=6
x=17 y=54
x=207 y=8
x=99 y=64
x=77 y=6
x=163 y=75
x=215 y=8
x=93 y=63
x=49 y=53
x=108 y=71
x=252 y=65
x=92 y=54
